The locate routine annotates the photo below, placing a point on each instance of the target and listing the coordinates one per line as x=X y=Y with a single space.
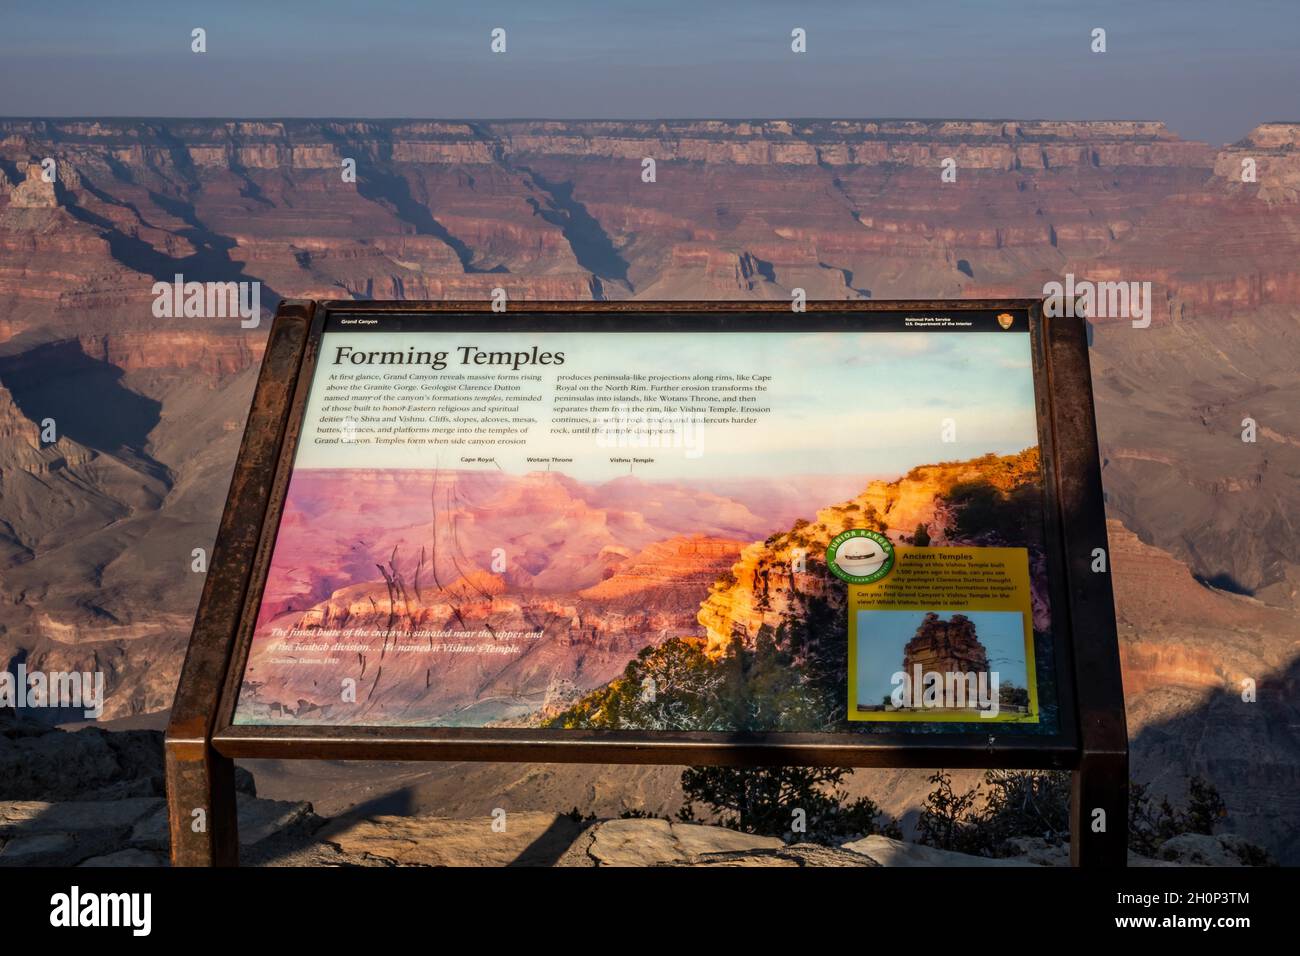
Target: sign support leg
x=1099 y=811
x=201 y=813
x=201 y=782
x=1099 y=789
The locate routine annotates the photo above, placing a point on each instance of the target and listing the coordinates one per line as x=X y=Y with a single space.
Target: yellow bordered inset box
x=946 y=636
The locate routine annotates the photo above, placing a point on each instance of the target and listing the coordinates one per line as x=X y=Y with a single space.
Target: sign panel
x=833 y=525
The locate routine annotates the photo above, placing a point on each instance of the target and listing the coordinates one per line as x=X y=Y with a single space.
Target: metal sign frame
x=202 y=741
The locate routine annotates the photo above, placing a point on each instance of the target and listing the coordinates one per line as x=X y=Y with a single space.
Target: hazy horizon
x=337 y=118
x=1206 y=75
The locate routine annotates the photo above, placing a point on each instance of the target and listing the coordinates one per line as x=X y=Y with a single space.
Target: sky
x=1210 y=70
x=866 y=404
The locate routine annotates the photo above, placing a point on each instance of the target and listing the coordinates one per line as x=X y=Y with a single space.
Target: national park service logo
x=1006 y=320
x=860 y=556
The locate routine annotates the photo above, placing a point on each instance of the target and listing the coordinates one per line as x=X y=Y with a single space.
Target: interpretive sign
x=663 y=532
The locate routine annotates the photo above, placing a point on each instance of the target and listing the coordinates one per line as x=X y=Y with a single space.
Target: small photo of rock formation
x=940 y=665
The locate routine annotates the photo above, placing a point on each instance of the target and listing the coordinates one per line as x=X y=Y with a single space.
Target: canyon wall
x=843 y=209
x=97 y=529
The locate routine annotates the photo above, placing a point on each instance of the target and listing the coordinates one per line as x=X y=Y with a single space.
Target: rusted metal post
x=201 y=782
x=1099 y=791
x=1099 y=810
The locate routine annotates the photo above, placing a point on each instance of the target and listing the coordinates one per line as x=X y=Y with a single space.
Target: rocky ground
x=96 y=798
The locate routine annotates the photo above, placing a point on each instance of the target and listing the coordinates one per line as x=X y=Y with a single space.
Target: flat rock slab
x=127 y=832
x=258 y=819
x=36 y=833
x=888 y=852
x=128 y=857
x=27 y=817
x=799 y=854
x=654 y=842
x=45 y=849
x=529 y=839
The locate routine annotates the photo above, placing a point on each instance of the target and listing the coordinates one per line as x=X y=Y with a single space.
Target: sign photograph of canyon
x=628 y=530
x=921 y=152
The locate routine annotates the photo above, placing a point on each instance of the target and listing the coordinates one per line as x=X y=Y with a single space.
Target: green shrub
x=765 y=800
